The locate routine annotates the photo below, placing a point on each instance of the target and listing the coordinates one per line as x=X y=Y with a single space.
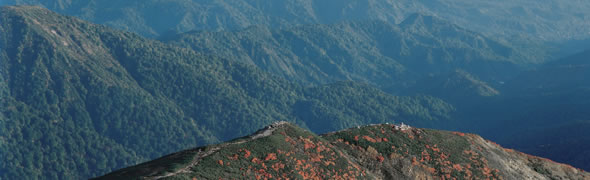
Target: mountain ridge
x=83 y=99
x=546 y=20
x=360 y=152
x=379 y=53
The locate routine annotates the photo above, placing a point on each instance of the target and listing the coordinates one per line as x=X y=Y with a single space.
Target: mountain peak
x=420 y=19
x=25 y=11
x=64 y=34
x=16 y=8
x=268 y=130
x=427 y=24
x=42 y=21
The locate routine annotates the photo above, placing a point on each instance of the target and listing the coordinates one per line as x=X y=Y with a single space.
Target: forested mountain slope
x=390 y=56
x=458 y=86
x=80 y=99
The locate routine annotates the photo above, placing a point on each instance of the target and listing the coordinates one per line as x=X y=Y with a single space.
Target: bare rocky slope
x=285 y=151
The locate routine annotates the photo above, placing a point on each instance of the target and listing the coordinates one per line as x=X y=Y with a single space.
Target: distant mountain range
x=542 y=111
x=562 y=76
x=81 y=99
x=285 y=151
x=525 y=19
x=550 y=95
x=386 y=55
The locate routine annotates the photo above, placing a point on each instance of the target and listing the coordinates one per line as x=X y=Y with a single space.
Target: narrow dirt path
x=267 y=131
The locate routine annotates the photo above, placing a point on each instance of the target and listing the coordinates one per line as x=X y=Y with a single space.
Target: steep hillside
x=390 y=56
x=283 y=151
x=546 y=19
x=458 y=86
x=80 y=99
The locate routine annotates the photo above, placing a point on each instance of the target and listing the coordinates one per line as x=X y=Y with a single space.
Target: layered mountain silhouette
x=386 y=55
x=81 y=99
x=284 y=151
x=550 y=20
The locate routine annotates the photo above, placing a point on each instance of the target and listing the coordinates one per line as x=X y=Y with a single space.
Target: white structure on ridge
x=402 y=127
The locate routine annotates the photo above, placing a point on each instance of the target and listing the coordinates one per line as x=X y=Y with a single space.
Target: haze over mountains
x=562 y=76
x=92 y=99
x=546 y=19
x=553 y=101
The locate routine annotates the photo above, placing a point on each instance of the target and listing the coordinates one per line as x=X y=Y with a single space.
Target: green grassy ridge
x=367 y=152
x=82 y=99
x=440 y=151
x=273 y=156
